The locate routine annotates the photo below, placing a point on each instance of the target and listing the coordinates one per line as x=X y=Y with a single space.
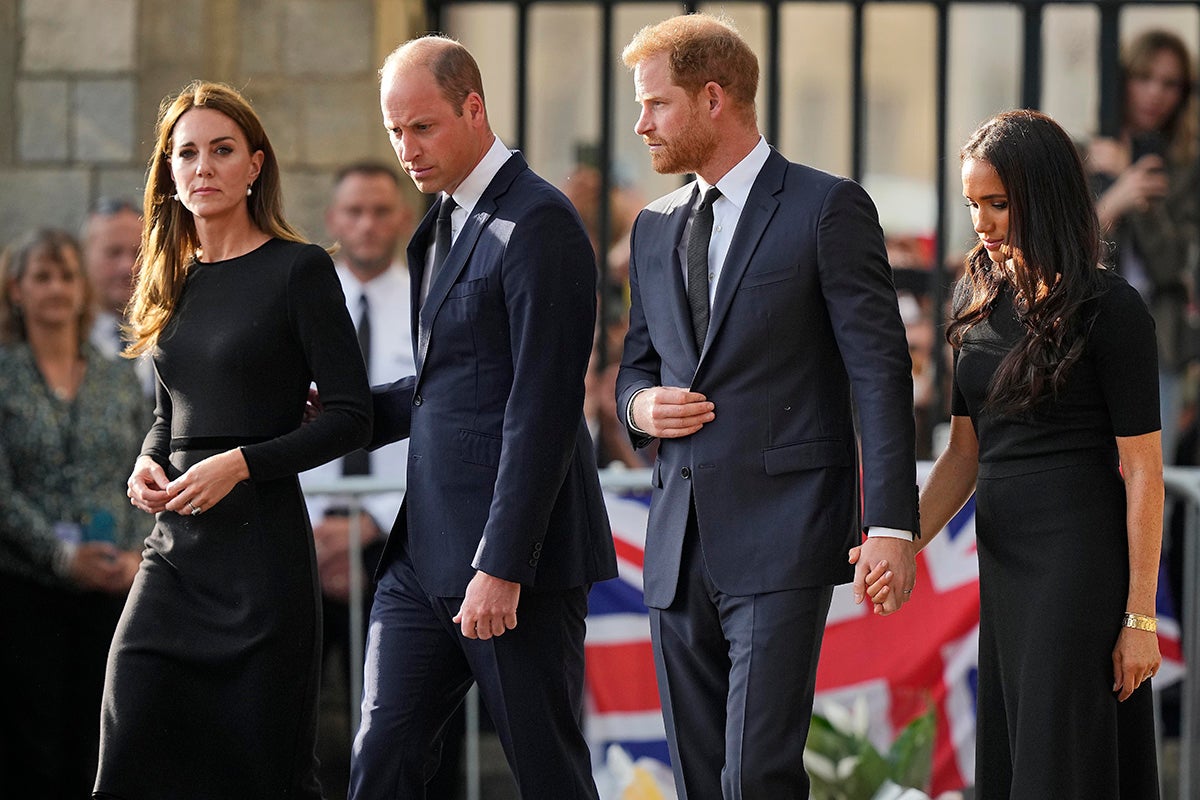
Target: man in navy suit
x=503 y=529
x=762 y=304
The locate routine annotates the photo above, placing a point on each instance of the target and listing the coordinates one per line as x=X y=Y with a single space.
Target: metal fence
x=1182 y=485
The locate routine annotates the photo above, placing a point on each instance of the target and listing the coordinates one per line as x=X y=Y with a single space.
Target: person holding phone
x=1146 y=184
x=71 y=420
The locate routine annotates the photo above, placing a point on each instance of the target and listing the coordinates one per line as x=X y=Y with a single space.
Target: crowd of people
x=170 y=381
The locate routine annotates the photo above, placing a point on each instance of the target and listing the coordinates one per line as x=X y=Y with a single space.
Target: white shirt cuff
x=629 y=413
x=890 y=533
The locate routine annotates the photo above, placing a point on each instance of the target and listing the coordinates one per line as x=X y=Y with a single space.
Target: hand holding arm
x=669 y=412
x=489 y=607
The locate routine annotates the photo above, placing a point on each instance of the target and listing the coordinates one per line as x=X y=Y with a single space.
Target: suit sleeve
x=392 y=405
x=640 y=363
x=856 y=281
x=549 y=281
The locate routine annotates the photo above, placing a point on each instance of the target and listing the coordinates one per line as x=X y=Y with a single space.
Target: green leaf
x=911 y=755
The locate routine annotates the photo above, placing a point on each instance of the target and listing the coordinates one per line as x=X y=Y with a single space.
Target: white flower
x=820 y=766
x=840 y=718
x=845 y=767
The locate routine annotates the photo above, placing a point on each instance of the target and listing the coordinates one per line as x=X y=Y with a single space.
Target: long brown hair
x=1180 y=128
x=15 y=262
x=169 y=240
x=1054 y=243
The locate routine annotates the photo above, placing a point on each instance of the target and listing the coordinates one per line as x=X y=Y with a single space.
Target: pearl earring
x=247 y=191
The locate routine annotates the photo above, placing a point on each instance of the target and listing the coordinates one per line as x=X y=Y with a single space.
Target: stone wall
x=83 y=80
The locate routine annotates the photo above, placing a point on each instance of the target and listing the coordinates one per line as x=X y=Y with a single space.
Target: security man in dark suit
x=762 y=302
x=503 y=529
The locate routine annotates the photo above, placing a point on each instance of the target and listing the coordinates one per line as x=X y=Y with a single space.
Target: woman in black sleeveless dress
x=213 y=675
x=1055 y=427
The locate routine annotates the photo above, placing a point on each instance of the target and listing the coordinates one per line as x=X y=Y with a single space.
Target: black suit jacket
x=501 y=473
x=804 y=319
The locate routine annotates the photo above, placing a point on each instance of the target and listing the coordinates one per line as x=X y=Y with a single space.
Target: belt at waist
x=214 y=442
x=1049 y=461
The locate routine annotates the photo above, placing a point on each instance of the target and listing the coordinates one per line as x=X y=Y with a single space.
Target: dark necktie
x=697 y=265
x=442 y=237
x=359 y=462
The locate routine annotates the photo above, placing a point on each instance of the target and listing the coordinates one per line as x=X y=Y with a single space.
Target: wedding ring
x=195 y=509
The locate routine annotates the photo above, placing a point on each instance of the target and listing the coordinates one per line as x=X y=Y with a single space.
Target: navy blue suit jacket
x=804 y=319
x=501 y=472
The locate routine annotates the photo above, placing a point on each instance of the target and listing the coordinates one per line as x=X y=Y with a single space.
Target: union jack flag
x=901 y=664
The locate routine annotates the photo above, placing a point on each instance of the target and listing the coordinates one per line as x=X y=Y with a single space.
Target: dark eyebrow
x=214 y=141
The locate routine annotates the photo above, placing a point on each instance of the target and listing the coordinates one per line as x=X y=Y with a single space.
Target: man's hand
x=668 y=412
x=489 y=607
x=893 y=587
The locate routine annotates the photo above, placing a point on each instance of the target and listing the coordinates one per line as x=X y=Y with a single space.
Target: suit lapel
x=761 y=205
x=460 y=252
x=418 y=251
x=676 y=292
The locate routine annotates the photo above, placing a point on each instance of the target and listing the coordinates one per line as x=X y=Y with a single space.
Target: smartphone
x=1151 y=143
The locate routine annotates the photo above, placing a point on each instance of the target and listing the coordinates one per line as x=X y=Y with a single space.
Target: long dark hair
x=1054 y=245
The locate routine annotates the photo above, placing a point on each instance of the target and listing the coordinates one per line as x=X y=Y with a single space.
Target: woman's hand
x=207 y=482
x=1135 y=660
x=1107 y=156
x=147 y=486
x=1135 y=188
x=95 y=567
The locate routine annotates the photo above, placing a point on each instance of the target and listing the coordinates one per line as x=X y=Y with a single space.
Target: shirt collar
x=474 y=185
x=735 y=185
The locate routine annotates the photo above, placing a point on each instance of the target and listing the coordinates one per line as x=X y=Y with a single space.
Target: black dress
x=1054 y=562
x=213 y=674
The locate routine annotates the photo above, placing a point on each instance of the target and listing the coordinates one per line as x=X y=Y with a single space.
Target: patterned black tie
x=442 y=237
x=359 y=461
x=697 y=265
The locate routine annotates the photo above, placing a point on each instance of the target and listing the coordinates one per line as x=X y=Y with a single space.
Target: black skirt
x=1054 y=575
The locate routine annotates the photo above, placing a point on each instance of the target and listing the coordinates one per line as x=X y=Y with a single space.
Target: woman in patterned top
x=70 y=420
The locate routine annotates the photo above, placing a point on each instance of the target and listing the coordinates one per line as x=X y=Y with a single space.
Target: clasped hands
x=885 y=571
x=200 y=488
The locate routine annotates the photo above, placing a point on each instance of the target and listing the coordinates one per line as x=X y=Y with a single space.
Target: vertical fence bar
x=858 y=112
x=1031 y=68
x=355 y=639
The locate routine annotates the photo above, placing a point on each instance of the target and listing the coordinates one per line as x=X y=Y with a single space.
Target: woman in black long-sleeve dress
x=1055 y=427
x=213 y=675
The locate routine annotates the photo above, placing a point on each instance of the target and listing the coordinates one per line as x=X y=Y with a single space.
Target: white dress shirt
x=467 y=195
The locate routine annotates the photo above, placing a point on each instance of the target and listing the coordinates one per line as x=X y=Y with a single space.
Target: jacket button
x=417 y=400
x=685 y=473
x=533 y=562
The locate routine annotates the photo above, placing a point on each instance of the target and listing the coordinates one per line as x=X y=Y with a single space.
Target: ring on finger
x=195 y=509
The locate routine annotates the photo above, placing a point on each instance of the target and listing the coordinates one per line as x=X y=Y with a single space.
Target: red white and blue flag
x=901 y=664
